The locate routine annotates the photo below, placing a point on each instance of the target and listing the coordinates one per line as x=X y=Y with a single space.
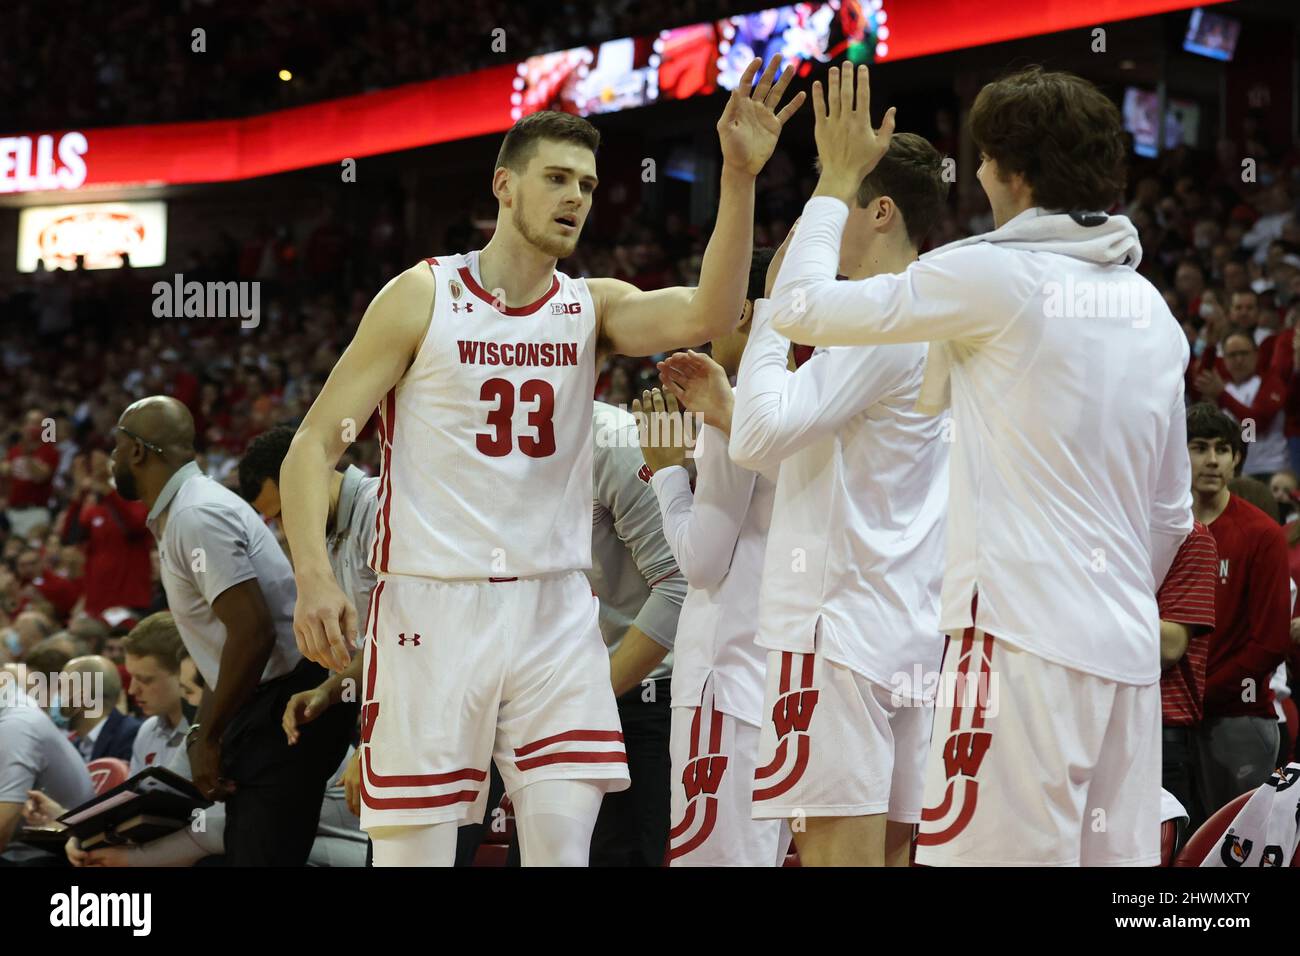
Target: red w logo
x=703 y=775
x=402 y=639
x=645 y=474
x=794 y=711
x=964 y=752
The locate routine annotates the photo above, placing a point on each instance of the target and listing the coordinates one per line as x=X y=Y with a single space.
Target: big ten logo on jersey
x=566 y=308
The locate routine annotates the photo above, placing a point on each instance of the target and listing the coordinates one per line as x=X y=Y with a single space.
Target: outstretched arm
x=379 y=355
x=645 y=323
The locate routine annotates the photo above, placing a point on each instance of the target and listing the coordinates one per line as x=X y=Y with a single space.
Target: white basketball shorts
x=1036 y=764
x=457 y=673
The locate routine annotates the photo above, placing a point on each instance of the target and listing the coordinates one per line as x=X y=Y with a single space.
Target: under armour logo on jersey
x=566 y=308
x=644 y=473
x=414 y=639
x=794 y=711
x=703 y=775
x=468 y=306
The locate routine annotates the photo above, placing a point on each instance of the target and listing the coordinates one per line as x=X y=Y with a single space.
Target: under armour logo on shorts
x=414 y=639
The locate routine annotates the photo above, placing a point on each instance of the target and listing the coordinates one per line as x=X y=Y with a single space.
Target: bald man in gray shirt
x=231 y=593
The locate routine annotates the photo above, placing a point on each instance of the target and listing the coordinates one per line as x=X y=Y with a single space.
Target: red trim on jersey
x=388 y=457
x=472 y=284
x=664 y=578
x=420 y=779
x=793 y=777
x=704 y=832
x=715 y=733
x=601 y=736
x=685 y=825
x=431 y=260
x=778 y=761
x=963 y=818
x=414 y=803
x=572 y=756
x=378 y=554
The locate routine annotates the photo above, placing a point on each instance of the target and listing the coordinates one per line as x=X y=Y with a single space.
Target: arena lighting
x=481 y=103
x=286 y=75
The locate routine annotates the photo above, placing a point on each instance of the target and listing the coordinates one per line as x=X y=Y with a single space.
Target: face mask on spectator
x=57 y=715
x=13 y=642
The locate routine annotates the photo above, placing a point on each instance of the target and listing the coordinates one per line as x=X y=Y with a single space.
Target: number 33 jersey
x=486 y=440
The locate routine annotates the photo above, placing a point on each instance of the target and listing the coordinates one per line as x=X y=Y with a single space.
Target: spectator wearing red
x=62 y=582
x=116 y=539
x=1186 y=602
x=1255 y=401
x=30 y=466
x=1285 y=367
x=1238 y=738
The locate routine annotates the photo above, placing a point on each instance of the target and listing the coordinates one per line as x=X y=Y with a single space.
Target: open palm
x=750 y=124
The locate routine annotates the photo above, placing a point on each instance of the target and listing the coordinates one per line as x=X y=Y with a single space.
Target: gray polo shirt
x=349 y=544
x=633 y=571
x=36 y=755
x=209 y=540
x=160 y=744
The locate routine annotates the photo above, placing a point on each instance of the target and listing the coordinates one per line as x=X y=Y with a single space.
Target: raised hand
x=750 y=125
x=847 y=145
x=662 y=429
x=700 y=384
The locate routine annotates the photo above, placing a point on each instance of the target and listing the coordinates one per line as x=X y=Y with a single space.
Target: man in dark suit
x=97 y=727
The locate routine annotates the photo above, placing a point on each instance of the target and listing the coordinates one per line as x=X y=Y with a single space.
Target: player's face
x=154 y=688
x=189 y=683
x=267 y=501
x=1212 y=464
x=553 y=197
x=1000 y=193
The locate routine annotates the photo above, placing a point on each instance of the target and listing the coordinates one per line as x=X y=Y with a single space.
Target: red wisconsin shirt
x=117 y=554
x=1252 y=611
x=1187 y=597
x=63 y=593
x=23 y=492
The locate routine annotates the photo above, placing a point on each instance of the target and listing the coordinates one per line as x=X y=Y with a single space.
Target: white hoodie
x=1070 y=485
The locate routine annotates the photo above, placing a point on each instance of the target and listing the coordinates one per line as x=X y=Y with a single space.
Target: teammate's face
x=1004 y=197
x=552 y=197
x=267 y=501
x=1212 y=464
x=154 y=688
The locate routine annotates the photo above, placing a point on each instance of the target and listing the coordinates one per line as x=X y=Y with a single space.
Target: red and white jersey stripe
x=486 y=441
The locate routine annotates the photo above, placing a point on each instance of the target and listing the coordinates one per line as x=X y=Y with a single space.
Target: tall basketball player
x=482 y=641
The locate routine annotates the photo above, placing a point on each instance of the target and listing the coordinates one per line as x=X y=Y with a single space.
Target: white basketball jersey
x=486 y=440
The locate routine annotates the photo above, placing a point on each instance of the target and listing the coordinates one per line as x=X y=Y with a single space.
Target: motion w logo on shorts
x=791 y=715
x=414 y=639
x=966 y=746
x=701 y=776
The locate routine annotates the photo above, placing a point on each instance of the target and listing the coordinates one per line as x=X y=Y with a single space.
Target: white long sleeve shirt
x=1070 y=485
x=718 y=536
x=856 y=540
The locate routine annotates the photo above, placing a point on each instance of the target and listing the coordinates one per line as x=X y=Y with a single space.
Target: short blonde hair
x=155 y=636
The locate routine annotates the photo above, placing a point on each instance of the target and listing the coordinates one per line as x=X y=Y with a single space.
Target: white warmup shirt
x=351 y=541
x=857 y=528
x=718 y=536
x=1070 y=486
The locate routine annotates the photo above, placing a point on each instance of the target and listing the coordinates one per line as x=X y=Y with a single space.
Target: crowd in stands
x=142 y=64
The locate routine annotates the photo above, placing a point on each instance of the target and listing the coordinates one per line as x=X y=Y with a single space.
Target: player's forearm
x=638 y=654
x=720 y=298
x=304 y=497
x=756 y=432
x=1173 y=642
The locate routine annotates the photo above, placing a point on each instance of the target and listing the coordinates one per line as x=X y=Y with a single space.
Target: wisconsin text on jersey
x=518 y=353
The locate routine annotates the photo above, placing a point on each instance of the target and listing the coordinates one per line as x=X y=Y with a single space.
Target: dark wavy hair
x=262 y=459
x=1058 y=131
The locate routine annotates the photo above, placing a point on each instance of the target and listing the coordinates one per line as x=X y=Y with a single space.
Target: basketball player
x=482 y=640
x=1070 y=482
x=849 y=604
x=718 y=534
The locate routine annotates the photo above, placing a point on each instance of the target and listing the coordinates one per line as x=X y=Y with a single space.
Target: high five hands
x=847 y=145
x=750 y=124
